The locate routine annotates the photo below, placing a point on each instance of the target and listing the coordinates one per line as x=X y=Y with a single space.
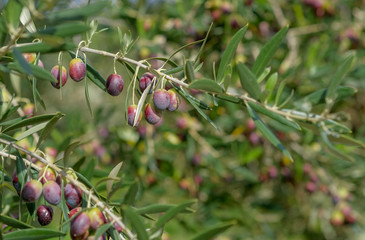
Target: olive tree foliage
x=37 y=27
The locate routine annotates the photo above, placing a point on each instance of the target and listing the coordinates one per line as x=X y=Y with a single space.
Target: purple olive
x=52 y=192
x=174 y=101
x=146 y=80
x=47 y=174
x=96 y=218
x=55 y=71
x=77 y=69
x=32 y=191
x=114 y=84
x=80 y=226
x=152 y=117
x=161 y=99
x=73 y=196
x=132 y=111
x=44 y=214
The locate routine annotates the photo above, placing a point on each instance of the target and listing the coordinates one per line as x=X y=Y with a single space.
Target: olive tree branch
x=76 y=183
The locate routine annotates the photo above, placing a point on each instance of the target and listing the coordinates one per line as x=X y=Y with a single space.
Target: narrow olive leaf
x=141 y=104
x=37 y=71
x=136 y=222
x=102 y=229
x=348 y=140
x=232 y=99
x=87 y=97
x=43 y=47
x=64 y=30
x=200 y=111
x=88 y=171
x=336 y=127
x=185 y=95
x=227 y=77
x=174 y=70
x=206 y=85
x=77 y=13
x=84 y=180
x=130 y=197
x=31 y=131
x=213 y=231
x=33 y=234
x=48 y=128
x=264 y=74
x=336 y=152
x=268 y=51
x=12 y=121
x=12 y=13
x=114 y=234
x=159 y=208
x=13 y=222
x=92 y=73
x=319 y=96
x=230 y=51
x=189 y=71
x=337 y=78
x=7 y=137
x=169 y=214
x=69 y=150
x=270 y=85
x=248 y=81
x=274 y=116
x=113 y=174
x=267 y=132
x=22 y=62
x=30 y=121
x=196 y=61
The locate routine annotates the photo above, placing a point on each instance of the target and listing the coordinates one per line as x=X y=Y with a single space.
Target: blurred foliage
x=235 y=173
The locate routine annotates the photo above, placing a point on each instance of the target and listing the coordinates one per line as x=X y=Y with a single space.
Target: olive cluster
x=49 y=184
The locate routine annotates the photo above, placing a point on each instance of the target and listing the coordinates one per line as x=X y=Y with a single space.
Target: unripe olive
x=151 y=115
x=114 y=84
x=77 y=69
x=73 y=196
x=161 y=99
x=96 y=218
x=32 y=191
x=174 y=100
x=132 y=111
x=337 y=218
x=52 y=192
x=44 y=214
x=30 y=57
x=55 y=71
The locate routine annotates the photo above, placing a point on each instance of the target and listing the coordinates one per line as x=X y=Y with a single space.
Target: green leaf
x=136 y=222
x=319 y=96
x=130 y=197
x=13 y=10
x=264 y=74
x=189 y=71
x=169 y=214
x=207 y=85
x=77 y=13
x=159 y=208
x=30 y=131
x=113 y=174
x=84 y=180
x=202 y=113
x=21 y=61
x=64 y=30
x=30 y=121
x=274 y=116
x=102 y=229
x=336 y=152
x=87 y=97
x=88 y=171
x=69 y=150
x=212 y=232
x=33 y=234
x=48 y=128
x=7 y=137
x=229 y=52
x=13 y=222
x=338 y=76
x=38 y=72
x=43 y=47
x=232 y=99
x=174 y=70
x=196 y=61
x=186 y=95
x=270 y=85
x=248 y=81
x=336 y=127
x=268 y=51
x=267 y=132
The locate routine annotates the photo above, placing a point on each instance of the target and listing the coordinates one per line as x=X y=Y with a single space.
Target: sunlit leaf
x=213 y=231
x=113 y=174
x=248 y=81
x=30 y=121
x=206 y=85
